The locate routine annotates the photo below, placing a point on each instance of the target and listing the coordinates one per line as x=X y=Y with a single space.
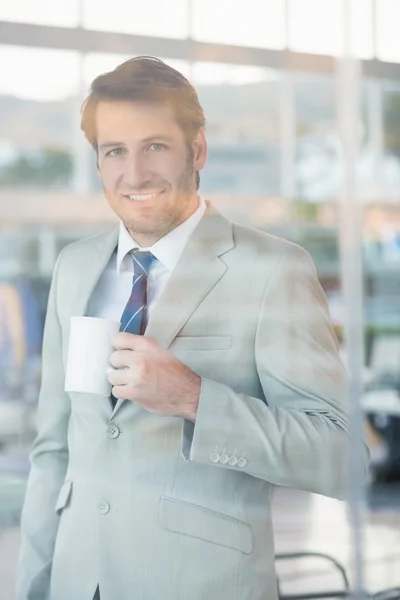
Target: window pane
x=317 y=175
x=241 y=106
x=391 y=139
x=362 y=26
x=316 y=26
x=43 y=12
x=153 y=17
x=388 y=30
x=37 y=128
x=253 y=23
x=38 y=73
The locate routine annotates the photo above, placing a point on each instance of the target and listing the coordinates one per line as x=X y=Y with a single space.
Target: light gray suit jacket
x=156 y=507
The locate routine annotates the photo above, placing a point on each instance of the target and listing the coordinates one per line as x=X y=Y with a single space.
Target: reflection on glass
x=153 y=17
x=242 y=109
x=41 y=12
x=391 y=137
x=267 y=21
x=38 y=73
x=315 y=26
x=388 y=30
x=36 y=104
x=362 y=28
x=317 y=167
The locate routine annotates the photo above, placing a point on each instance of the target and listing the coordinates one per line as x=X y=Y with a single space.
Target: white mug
x=89 y=351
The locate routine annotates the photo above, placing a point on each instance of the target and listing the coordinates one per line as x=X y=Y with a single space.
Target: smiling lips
x=142 y=197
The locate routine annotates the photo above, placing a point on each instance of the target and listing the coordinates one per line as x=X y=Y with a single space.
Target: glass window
x=369 y=154
x=37 y=91
x=254 y=23
x=153 y=17
x=317 y=174
x=362 y=28
x=316 y=26
x=38 y=73
x=41 y=12
x=388 y=30
x=391 y=139
x=241 y=106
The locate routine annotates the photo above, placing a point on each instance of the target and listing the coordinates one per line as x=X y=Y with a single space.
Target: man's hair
x=145 y=79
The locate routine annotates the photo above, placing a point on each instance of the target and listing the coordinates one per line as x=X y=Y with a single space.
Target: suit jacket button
x=214 y=457
x=242 y=462
x=233 y=461
x=224 y=459
x=103 y=507
x=113 y=432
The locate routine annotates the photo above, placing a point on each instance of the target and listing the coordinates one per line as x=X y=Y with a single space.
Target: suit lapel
x=91 y=266
x=198 y=270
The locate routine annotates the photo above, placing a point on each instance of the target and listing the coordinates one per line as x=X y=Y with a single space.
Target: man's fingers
x=118 y=377
x=128 y=341
x=121 y=358
x=119 y=391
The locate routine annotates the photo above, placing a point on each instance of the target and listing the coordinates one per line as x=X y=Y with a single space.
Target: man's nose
x=136 y=172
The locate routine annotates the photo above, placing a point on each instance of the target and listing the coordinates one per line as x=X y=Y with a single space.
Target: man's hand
x=152 y=377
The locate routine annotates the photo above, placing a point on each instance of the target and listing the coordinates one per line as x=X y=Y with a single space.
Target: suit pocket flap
x=191 y=342
x=63 y=496
x=205 y=524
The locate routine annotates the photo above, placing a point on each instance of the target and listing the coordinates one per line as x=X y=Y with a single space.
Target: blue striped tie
x=133 y=319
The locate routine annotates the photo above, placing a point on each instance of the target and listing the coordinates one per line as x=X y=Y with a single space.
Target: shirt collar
x=168 y=249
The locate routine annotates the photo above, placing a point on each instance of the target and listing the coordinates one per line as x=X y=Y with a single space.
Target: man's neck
x=146 y=240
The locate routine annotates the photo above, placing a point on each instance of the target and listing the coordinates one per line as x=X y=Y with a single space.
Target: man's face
x=146 y=167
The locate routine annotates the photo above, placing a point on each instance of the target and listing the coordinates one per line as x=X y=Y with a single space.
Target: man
x=163 y=490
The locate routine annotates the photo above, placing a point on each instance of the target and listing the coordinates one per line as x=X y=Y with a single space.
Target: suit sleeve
x=49 y=459
x=298 y=434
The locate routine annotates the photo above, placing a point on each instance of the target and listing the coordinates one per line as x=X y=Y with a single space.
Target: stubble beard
x=169 y=218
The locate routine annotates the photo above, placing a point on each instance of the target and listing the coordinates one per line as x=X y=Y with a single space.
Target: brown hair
x=149 y=79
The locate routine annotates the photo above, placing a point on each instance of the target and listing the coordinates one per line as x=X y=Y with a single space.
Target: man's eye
x=115 y=152
x=156 y=147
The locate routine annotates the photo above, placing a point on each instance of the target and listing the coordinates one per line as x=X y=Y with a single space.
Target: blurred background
x=302 y=100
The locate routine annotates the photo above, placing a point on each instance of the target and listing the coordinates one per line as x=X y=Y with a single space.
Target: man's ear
x=199 y=151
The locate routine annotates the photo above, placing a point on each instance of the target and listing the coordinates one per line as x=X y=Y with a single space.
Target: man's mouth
x=142 y=197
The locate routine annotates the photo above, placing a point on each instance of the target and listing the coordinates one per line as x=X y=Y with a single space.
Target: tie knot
x=142 y=262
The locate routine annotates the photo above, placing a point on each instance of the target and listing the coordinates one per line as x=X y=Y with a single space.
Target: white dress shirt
x=114 y=287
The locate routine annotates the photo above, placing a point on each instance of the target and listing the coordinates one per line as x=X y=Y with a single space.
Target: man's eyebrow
x=162 y=137
x=110 y=145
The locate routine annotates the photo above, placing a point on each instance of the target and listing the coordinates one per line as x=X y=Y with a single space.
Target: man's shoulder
x=81 y=248
x=264 y=243
x=262 y=253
